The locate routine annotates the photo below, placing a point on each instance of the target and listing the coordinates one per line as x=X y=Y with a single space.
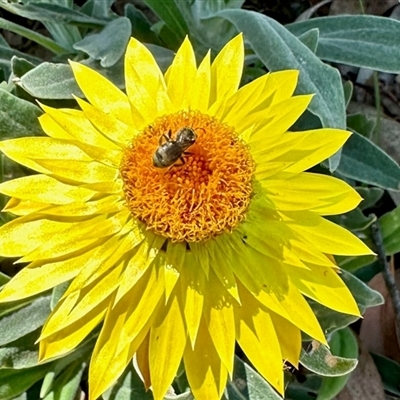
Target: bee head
x=186 y=136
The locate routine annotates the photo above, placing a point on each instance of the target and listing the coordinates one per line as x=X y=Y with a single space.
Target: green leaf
x=182 y=396
x=363 y=294
x=14 y=324
x=21 y=353
x=361 y=124
x=344 y=344
x=50 y=81
x=46 y=12
x=310 y=39
x=390 y=229
x=389 y=371
x=247 y=384
x=319 y=359
x=3 y=279
x=359 y=40
x=169 y=12
x=18 y=117
x=353 y=220
x=363 y=161
x=128 y=386
x=66 y=385
x=20 y=66
x=278 y=49
x=7 y=53
x=141 y=27
x=330 y=320
x=50 y=44
x=100 y=9
x=109 y=45
x=57 y=293
x=352 y=264
x=348 y=91
x=366 y=273
x=370 y=196
x=13 y=382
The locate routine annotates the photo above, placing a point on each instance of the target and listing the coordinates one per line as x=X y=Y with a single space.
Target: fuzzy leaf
x=18 y=117
x=50 y=81
x=319 y=359
x=363 y=161
x=359 y=40
x=247 y=384
x=109 y=45
x=344 y=344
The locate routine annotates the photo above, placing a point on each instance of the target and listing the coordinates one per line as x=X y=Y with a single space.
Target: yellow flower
x=180 y=262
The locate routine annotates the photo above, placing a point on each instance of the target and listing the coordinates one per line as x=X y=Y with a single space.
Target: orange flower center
x=188 y=177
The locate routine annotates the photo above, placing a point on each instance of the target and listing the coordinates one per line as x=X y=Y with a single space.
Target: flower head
x=183 y=217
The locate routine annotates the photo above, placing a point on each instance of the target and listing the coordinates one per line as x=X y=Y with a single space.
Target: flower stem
x=386 y=272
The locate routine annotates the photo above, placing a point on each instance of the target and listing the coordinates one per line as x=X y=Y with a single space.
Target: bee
x=172 y=150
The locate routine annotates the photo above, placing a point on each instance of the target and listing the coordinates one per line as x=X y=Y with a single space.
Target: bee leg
x=182 y=160
x=167 y=138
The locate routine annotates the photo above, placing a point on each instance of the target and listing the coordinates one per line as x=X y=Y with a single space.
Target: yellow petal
x=201 y=255
x=226 y=70
x=110 y=252
x=289 y=337
x=145 y=83
x=43 y=275
x=200 y=95
x=280 y=295
x=322 y=194
x=111 y=354
x=324 y=285
x=125 y=327
x=205 y=372
x=139 y=304
x=52 y=129
x=283 y=84
x=79 y=127
x=109 y=204
x=246 y=99
x=257 y=337
x=66 y=340
x=139 y=260
x=25 y=234
x=320 y=145
x=25 y=150
x=181 y=75
x=76 y=236
x=219 y=315
x=44 y=189
x=192 y=284
x=260 y=94
x=111 y=127
x=175 y=258
x=325 y=235
x=276 y=119
x=167 y=343
x=102 y=93
x=23 y=207
x=142 y=361
x=73 y=306
x=220 y=262
x=80 y=171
